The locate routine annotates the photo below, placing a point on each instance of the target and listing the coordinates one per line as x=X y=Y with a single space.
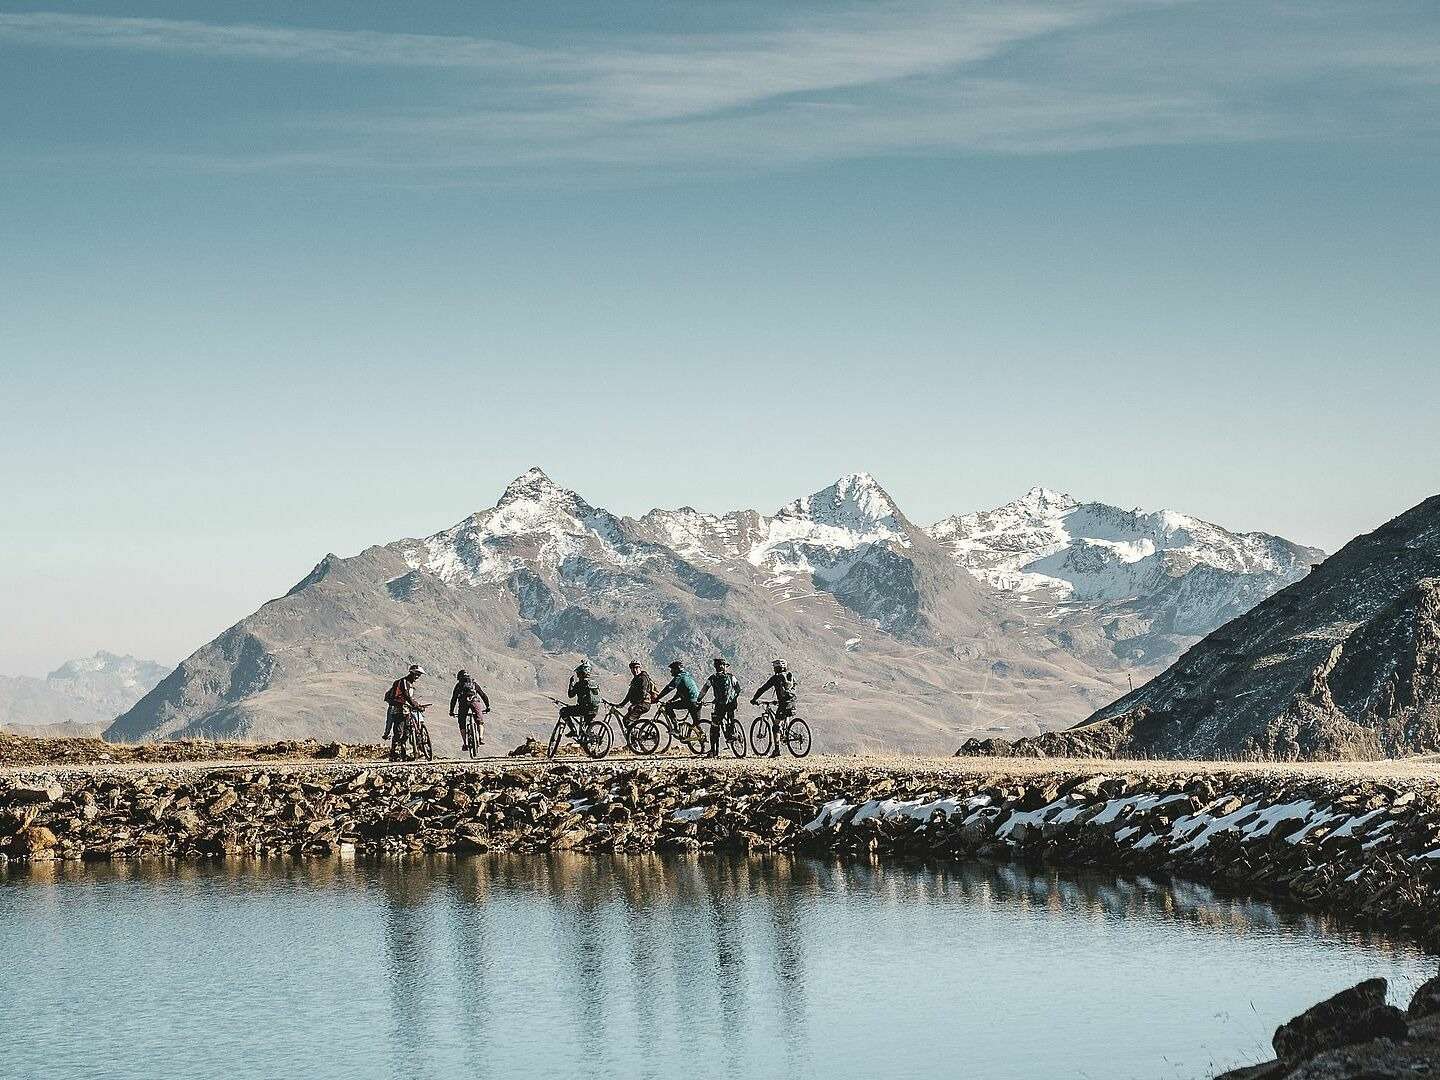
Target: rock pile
x=1365 y=849
x=27 y=750
x=1355 y=1035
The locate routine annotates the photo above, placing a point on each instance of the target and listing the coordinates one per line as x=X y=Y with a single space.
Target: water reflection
x=651 y=967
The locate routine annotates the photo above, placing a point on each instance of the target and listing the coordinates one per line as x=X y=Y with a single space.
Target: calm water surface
x=582 y=966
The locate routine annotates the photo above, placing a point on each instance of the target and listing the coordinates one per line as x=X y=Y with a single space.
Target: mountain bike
x=734 y=733
x=687 y=730
x=410 y=738
x=794 y=733
x=592 y=734
x=470 y=732
x=642 y=735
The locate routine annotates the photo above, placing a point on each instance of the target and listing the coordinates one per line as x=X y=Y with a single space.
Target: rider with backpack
x=727 y=697
x=400 y=697
x=640 y=695
x=586 y=692
x=468 y=696
x=784 y=685
x=686 y=690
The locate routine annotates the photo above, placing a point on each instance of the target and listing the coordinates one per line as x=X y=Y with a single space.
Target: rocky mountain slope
x=80 y=696
x=895 y=646
x=1152 y=582
x=1342 y=664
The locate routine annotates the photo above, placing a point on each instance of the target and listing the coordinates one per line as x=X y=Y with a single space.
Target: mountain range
x=1342 y=664
x=80 y=697
x=1016 y=620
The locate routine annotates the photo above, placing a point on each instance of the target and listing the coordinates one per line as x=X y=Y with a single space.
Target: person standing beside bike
x=727 y=697
x=400 y=697
x=586 y=692
x=465 y=696
x=783 y=683
x=686 y=690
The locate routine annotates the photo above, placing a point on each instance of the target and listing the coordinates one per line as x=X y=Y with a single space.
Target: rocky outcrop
x=1344 y=664
x=1355 y=1035
x=1368 y=850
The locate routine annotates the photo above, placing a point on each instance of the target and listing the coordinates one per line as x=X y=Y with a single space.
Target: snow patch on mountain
x=1048 y=542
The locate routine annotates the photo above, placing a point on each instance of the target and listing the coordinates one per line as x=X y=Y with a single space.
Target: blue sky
x=278 y=280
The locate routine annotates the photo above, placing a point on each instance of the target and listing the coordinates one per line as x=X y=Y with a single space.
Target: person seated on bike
x=686 y=690
x=783 y=683
x=400 y=697
x=468 y=696
x=727 y=697
x=586 y=692
x=640 y=695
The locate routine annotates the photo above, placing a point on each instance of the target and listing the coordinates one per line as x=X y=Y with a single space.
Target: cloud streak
x=1027 y=76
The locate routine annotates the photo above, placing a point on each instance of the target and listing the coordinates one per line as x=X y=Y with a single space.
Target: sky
x=281 y=280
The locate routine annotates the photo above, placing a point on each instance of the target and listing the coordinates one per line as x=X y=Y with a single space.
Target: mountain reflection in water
x=651 y=966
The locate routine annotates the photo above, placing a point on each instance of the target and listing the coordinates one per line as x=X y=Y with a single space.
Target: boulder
x=35 y=793
x=1426 y=1001
x=1356 y=1015
x=33 y=840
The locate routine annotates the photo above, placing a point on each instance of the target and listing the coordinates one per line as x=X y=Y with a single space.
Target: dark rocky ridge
x=1344 y=664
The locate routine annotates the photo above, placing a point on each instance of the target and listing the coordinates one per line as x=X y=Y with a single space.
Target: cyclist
x=727 y=697
x=687 y=692
x=466 y=694
x=400 y=697
x=640 y=695
x=586 y=692
x=783 y=683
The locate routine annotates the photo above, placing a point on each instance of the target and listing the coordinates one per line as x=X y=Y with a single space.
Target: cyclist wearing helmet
x=686 y=690
x=464 y=697
x=727 y=697
x=783 y=683
x=641 y=693
x=400 y=697
x=586 y=692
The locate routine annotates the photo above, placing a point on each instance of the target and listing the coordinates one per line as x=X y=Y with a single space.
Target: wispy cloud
x=1004 y=76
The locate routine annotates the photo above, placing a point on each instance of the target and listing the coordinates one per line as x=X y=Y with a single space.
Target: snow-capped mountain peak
x=1048 y=542
x=535 y=522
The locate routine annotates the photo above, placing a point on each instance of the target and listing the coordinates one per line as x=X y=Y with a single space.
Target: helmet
x=676 y=665
x=634 y=665
x=584 y=668
x=416 y=669
x=778 y=665
x=462 y=674
x=720 y=662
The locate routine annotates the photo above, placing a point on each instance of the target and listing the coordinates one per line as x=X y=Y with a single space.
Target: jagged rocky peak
x=852 y=511
x=1043 y=500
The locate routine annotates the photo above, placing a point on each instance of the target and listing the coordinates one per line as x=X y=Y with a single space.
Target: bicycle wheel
x=693 y=736
x=422 y=743
x=797 y=737
x=472 y=735
x=595 y=738
x=644 y=737
x=554 y=746
x=761 y=736
x=735 y=736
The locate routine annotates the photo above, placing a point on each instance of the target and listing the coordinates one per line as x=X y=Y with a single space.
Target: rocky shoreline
x=1365 y=849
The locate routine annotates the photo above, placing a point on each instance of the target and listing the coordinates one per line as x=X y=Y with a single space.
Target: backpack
x=394 y=696
x=785 y=688
x=727 y=688
x=688 y=687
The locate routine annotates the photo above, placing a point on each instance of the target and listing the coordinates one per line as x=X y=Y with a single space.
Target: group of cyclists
x=678 y=704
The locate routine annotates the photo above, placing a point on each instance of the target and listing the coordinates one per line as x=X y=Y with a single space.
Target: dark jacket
x=586 y=692
x=642 y=690
x=783 y=683
x=724 y=686
x=465 y=692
